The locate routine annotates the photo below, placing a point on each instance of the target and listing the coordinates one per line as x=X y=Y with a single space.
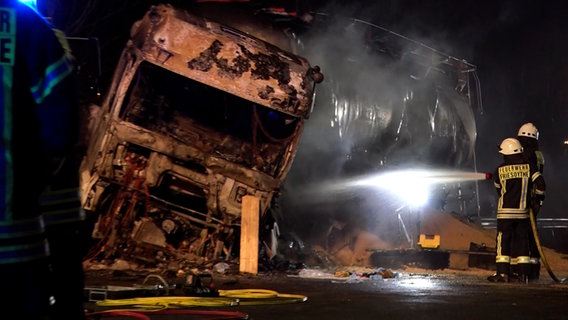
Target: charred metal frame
x=198 y=115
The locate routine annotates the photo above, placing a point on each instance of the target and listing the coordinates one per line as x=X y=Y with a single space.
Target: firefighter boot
x=523 y=278
x=534 y=273
x=514 y=273
x=502 y=274
x=524 y=271
x=498 y=277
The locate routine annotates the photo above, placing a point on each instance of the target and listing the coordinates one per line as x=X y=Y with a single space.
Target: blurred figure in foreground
x=514 y=179
x=40 y=129
x=528 y=137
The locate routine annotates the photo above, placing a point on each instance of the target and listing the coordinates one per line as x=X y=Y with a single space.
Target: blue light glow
x=31 y=3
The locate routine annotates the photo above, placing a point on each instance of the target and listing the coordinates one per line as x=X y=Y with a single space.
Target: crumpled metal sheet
x=280 y=77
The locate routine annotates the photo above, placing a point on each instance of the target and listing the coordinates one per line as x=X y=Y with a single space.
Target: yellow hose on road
x=248 y=293
x=542 y=256
x=227 y=298
x=169 y=302
x=248 y=297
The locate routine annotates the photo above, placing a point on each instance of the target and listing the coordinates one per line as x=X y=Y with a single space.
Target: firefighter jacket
x=514 y=180
x=39 y=123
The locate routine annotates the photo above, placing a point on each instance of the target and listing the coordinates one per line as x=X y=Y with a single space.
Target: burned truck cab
x=197 y=116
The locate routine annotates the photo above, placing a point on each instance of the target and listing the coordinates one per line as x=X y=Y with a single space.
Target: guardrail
x=544 y=223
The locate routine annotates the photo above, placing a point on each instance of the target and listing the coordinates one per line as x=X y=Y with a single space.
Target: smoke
x=381 y=105
x=519 y=57
x=374 y=99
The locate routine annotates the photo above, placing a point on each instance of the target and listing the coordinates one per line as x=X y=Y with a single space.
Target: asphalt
x=417 y=294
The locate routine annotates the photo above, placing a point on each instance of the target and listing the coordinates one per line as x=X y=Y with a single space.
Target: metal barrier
x=544 y=223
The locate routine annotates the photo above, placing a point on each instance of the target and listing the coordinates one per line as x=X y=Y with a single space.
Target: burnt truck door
x=198 y=115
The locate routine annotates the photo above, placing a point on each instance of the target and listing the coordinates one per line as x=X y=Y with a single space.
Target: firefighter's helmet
x=510 y=146
x=528 y=130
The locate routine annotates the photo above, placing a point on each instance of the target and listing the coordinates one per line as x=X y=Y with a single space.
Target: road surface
x=419 y=294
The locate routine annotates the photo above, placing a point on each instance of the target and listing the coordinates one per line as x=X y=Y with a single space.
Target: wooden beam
x=250 y=217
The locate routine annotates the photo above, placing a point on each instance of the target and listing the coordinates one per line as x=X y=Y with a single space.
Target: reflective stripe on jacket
x=22 y=240
x=514 y=181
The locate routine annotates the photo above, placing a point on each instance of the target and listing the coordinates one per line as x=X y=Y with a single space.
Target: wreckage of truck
x=197 y=116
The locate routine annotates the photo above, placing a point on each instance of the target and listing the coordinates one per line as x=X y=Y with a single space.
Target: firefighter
x=513 y=179
x=528 y=137
x=40 y=129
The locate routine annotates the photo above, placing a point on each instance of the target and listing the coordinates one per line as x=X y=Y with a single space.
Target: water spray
x=413 y=185
x=429 y=176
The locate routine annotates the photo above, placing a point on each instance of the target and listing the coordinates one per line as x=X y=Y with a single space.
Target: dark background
x=518 y=47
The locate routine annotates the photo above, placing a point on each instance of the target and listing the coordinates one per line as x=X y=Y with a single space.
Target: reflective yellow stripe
x=502 y=259
x=523 y=259
x=512 y=216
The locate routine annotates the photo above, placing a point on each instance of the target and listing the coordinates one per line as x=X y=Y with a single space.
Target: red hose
x=102 y=314
x=142 y=314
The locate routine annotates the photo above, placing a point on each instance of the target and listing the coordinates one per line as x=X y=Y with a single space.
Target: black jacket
x=514 y=180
